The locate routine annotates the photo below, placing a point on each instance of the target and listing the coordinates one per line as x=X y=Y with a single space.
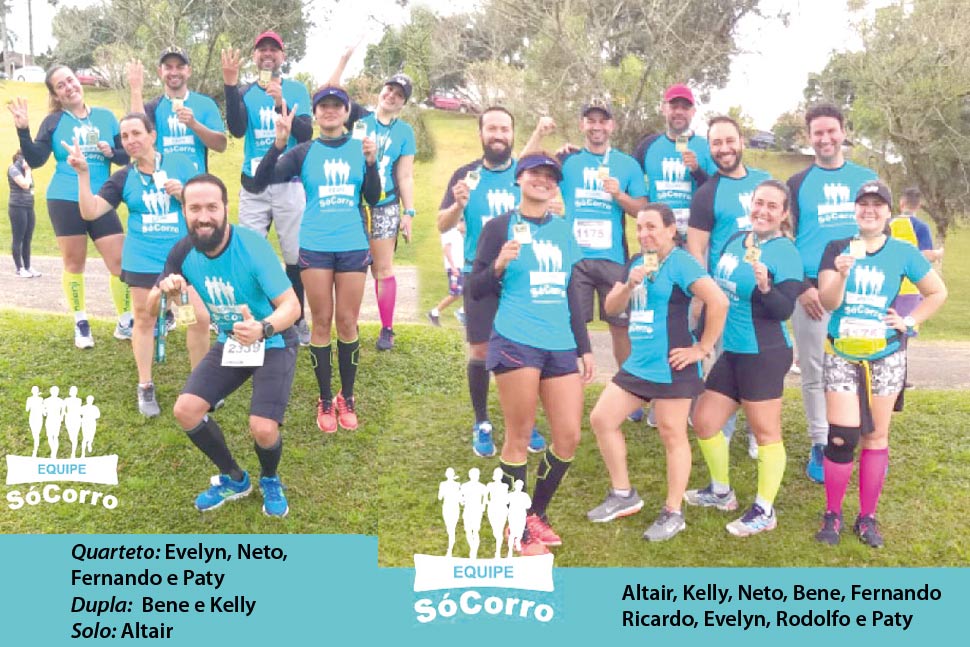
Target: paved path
x=932 y=365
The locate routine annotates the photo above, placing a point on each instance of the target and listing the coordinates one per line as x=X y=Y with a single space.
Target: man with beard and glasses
x=186 y=122
x=252 y=303
x=479 y=191
x=720 y=208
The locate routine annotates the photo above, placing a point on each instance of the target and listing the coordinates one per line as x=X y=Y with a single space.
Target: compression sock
x=320 y=359
x=715 y=451
x=293 y=274
x=872 y=475
x=386 y=292
x=207 y=436
x=73 y=285
x=348 y=357
x=120 y=295
x=512 y=472
x=269 y=457
x=552 y=470
x=478 y=388
x=837 y=477
x=771 y=469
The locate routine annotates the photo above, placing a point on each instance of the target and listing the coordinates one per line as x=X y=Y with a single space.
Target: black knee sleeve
x=842 y=443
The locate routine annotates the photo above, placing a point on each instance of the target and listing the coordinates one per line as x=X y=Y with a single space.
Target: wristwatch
x=410 y=212
x=910 y=324
x=268 y=329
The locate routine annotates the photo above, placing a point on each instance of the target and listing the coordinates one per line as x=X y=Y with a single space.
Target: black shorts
x=479 y=316
x=505 y=355
x=598 y=275
x=751 y=377
x=139 y=279
x=272 y=381
x=686 y=387
x=67 y=221
x=352 y=261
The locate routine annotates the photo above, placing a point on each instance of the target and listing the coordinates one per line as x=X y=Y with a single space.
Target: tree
x=789 y=130
x=910 y=99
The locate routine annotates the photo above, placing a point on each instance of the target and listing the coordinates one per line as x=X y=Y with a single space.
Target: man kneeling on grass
x=252 y=303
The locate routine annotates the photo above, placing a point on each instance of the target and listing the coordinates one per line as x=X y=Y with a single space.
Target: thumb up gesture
x=247 y=331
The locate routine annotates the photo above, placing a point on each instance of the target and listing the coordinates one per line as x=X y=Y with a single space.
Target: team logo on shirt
x=383 y=145
x=336 y=189
x=178 y=133
x=866 y=289
x=222 y=302
x=675 y=181
x=158 y=217
x=506 y=509
x=744 y=222
x=641 y=318
x=549 y=282
x=592 y=193
x=84 y=135
x=838 y=207
x=267 y=124
x=46 y=417
x=722 y=274
x=500 y=201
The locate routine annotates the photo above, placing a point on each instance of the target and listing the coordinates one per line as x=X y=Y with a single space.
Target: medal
x=160 y=178
x=857 y=248
x=91 y=139
x=681 y=143
x=651 y=262
x=472 y=178
x=752 y=253
x=521 y=233
x=162 y=330
x=603 y=173
x=185 y=313
x=265 y=76
x=177 y=104
x=360 y=130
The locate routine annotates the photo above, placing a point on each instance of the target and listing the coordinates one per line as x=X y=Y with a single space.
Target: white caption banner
x=432 y=572
x=97 y=469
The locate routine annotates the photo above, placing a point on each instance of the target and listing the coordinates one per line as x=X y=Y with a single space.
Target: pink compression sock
x=837 y=477
x=386 y=292
x=872 y=475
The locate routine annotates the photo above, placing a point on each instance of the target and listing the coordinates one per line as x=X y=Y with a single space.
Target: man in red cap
x=251 y=112
x=678 y=161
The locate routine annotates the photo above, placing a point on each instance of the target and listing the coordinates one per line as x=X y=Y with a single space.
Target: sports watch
x=910 y=324
x=268 y=329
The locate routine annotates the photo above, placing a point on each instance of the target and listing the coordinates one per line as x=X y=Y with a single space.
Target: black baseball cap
x=402 y=80
x=174 y=51
x=875 y=188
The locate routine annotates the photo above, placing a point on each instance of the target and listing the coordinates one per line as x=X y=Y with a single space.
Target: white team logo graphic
x=499 y=201
x=46 y=418
x=336 y=188
x=267 y=123
x=641 y=317
x=159 y=217
x=591 y=179
x=838 y=207
x=674 y=169
x=383 y=145
x=592 y=194
x=674 y=181
x=548 y=283
x=473 y=501
x=722 y=274
x=178 y=138
x=744 y=221
x=82 y=134
x=867 y=283
x=222 y=302
x=176 y=127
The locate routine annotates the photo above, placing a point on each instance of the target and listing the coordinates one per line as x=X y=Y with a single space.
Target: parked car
x=91 y=77
x=450 y=101
x=30 y=74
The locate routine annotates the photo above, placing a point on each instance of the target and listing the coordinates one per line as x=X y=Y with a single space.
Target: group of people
x=727 y=256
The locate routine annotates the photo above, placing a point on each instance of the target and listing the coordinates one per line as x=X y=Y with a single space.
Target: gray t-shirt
x=19 y=197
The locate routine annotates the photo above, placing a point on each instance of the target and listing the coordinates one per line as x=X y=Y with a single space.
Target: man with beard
x=822 y=210
x=720 y=208
x=250 y=300
x=677 y=161
x=251 y=112
x=186 y=122
x=480 y=191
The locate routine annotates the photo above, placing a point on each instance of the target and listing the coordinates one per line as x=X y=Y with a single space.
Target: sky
x=766 y=80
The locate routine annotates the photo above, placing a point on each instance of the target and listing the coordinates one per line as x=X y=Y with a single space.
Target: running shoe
x=651 y=418
x=147 y=404
x=223 y=489
x=536 y=442
x=754 y=521
x=82 y=334
x=540 y=529
x=795 y=369
x=706 y=498
x=532 y=546
x=274 y=501
x=326 y=418
x=34 y=273
x=482 y=443
x=814 y=469
x=615 y=506
x=831 y=531
x=636 y=416
x=867 y=529
x=667 y=525
x=460 y=316
x=752 y=447
x=303 y=332
x=123 y=330
x=386 y=339
x=346 y=413
x=434 y=319
x=23 y=273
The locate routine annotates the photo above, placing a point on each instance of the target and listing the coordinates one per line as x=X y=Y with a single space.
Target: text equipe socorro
x=722 y=594
x=200 y=552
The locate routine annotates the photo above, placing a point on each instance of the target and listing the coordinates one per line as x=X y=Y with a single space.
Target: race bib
x=862 y=329
x=235 y=354
x=594 y=234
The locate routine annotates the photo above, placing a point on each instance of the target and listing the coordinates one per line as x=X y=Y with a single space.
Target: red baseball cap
x=269 y=35
x=679 y=91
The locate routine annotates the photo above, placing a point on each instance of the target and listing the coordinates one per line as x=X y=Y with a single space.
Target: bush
x=422 y=135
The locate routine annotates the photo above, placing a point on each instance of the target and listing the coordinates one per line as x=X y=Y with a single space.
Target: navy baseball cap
x=331 y=91
x=402 y=80
x=537 y=160
x=875 y=188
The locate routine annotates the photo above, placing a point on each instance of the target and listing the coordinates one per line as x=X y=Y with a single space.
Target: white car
x=30 y=74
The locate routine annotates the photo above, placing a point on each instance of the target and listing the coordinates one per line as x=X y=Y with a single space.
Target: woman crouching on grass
x=663 y=367
x=526 y=257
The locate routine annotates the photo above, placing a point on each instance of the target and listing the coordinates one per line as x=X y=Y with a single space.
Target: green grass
x=924 y=508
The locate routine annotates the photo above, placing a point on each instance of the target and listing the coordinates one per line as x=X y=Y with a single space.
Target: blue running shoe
x=223 y=489
x=814 y=469
x=537 y=443
x=274 y=501
x=482 y=443
x=754 y=521
x=636 y=416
